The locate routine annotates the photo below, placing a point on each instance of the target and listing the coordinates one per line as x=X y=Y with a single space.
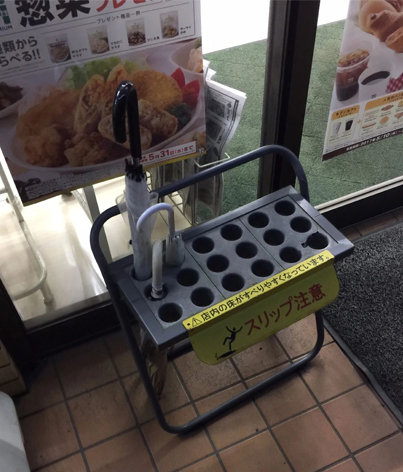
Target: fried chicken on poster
x=73 y=126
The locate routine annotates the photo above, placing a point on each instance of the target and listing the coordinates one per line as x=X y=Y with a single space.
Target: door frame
x=13 y=333
x=290 y=47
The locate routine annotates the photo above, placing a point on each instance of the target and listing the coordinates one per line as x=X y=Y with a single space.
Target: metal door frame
x=13 y=333
x=290 y=47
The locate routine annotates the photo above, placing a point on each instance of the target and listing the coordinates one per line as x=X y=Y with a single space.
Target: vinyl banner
x=367 y=101
x=60 y=64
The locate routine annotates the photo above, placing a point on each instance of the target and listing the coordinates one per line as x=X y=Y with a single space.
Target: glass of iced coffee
x=349 y=68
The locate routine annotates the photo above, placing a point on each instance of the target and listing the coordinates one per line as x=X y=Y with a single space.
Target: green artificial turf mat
x=243 y=68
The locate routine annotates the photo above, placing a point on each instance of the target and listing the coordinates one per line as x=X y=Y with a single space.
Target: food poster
x=367 y=101
x=60 y=64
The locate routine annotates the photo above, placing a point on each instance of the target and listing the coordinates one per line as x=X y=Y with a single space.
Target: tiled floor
x=87 y=411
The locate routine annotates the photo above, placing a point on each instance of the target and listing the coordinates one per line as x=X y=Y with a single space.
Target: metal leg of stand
x=221 y=409
x=179 y=349
x=89 y=204
x=14 y=200
x=42 y=284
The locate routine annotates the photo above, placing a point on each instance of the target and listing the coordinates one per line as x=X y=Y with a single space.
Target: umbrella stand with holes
x=245 y=276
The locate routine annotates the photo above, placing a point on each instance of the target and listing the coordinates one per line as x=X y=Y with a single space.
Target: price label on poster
x=60 y=64
x=367 y=101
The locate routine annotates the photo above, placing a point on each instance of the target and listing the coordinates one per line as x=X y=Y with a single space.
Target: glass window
x=353 y=171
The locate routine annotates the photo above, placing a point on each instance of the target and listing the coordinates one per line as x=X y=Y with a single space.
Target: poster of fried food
x=367 y=98
x=60 y=65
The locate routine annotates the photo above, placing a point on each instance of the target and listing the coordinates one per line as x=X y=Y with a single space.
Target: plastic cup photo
x=169 y=24
x=98 y=39
x=349 y=124
x=58 y=47
x=136 y=32
x=352 y=63
x=336 y=128
x=373 y=82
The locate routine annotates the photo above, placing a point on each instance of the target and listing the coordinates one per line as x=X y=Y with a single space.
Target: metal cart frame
x=181 y=348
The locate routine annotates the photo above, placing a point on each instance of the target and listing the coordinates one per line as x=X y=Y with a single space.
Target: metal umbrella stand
x=244 y=276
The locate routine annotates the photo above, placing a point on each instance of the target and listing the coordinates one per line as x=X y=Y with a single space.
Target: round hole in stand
x=246 y=250
x=170 y=313
x=262 y=268
x=203 y=245
x=187 y=277
x=217 y=263
x=300 y=224
x=202 y=297
x=317 y=241
x=231 y=232
x=233 y=282
x=258 y=219
x=284 y=208
x=274 y=237
x=290 y=255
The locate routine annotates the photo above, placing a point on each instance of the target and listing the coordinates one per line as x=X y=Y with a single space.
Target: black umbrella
x=138 y=198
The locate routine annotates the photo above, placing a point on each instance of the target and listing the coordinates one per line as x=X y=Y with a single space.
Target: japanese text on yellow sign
x=346 y=112
x=384 y=100
x=257 y=313
x=257 y=290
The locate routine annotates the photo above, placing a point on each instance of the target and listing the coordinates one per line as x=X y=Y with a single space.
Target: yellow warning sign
x=253 y=316
x=258 y=290
x=196 y=322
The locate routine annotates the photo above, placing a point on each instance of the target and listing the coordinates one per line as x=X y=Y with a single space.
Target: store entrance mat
x=367 y=317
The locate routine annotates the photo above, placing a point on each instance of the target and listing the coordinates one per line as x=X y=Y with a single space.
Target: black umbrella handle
x=134 y=126
x=119 y=111
x=126 y=104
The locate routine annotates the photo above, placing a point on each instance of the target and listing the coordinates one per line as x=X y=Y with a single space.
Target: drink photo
x=373 y=82
x=352 y=63
x=349 y=124
x=336 y=128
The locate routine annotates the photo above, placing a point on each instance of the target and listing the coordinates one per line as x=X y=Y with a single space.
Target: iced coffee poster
x=367 y=101
x=60 y=64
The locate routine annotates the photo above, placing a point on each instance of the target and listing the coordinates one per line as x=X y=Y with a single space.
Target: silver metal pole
x=93 y=210
x=15 y=202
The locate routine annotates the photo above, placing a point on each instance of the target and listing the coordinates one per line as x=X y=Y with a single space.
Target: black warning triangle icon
x=196 y=322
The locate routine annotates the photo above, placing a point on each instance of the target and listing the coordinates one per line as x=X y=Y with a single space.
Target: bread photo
x=395 y=40
x=371 y=7
x=385 y=23
x=397 y=4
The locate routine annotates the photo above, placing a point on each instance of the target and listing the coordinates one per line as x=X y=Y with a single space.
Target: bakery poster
x=367 y=102
x=60 y=64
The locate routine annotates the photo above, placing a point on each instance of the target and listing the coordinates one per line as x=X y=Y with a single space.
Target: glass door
x=362 y=182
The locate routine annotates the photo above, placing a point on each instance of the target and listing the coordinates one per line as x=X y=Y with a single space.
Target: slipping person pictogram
x=230 y=340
